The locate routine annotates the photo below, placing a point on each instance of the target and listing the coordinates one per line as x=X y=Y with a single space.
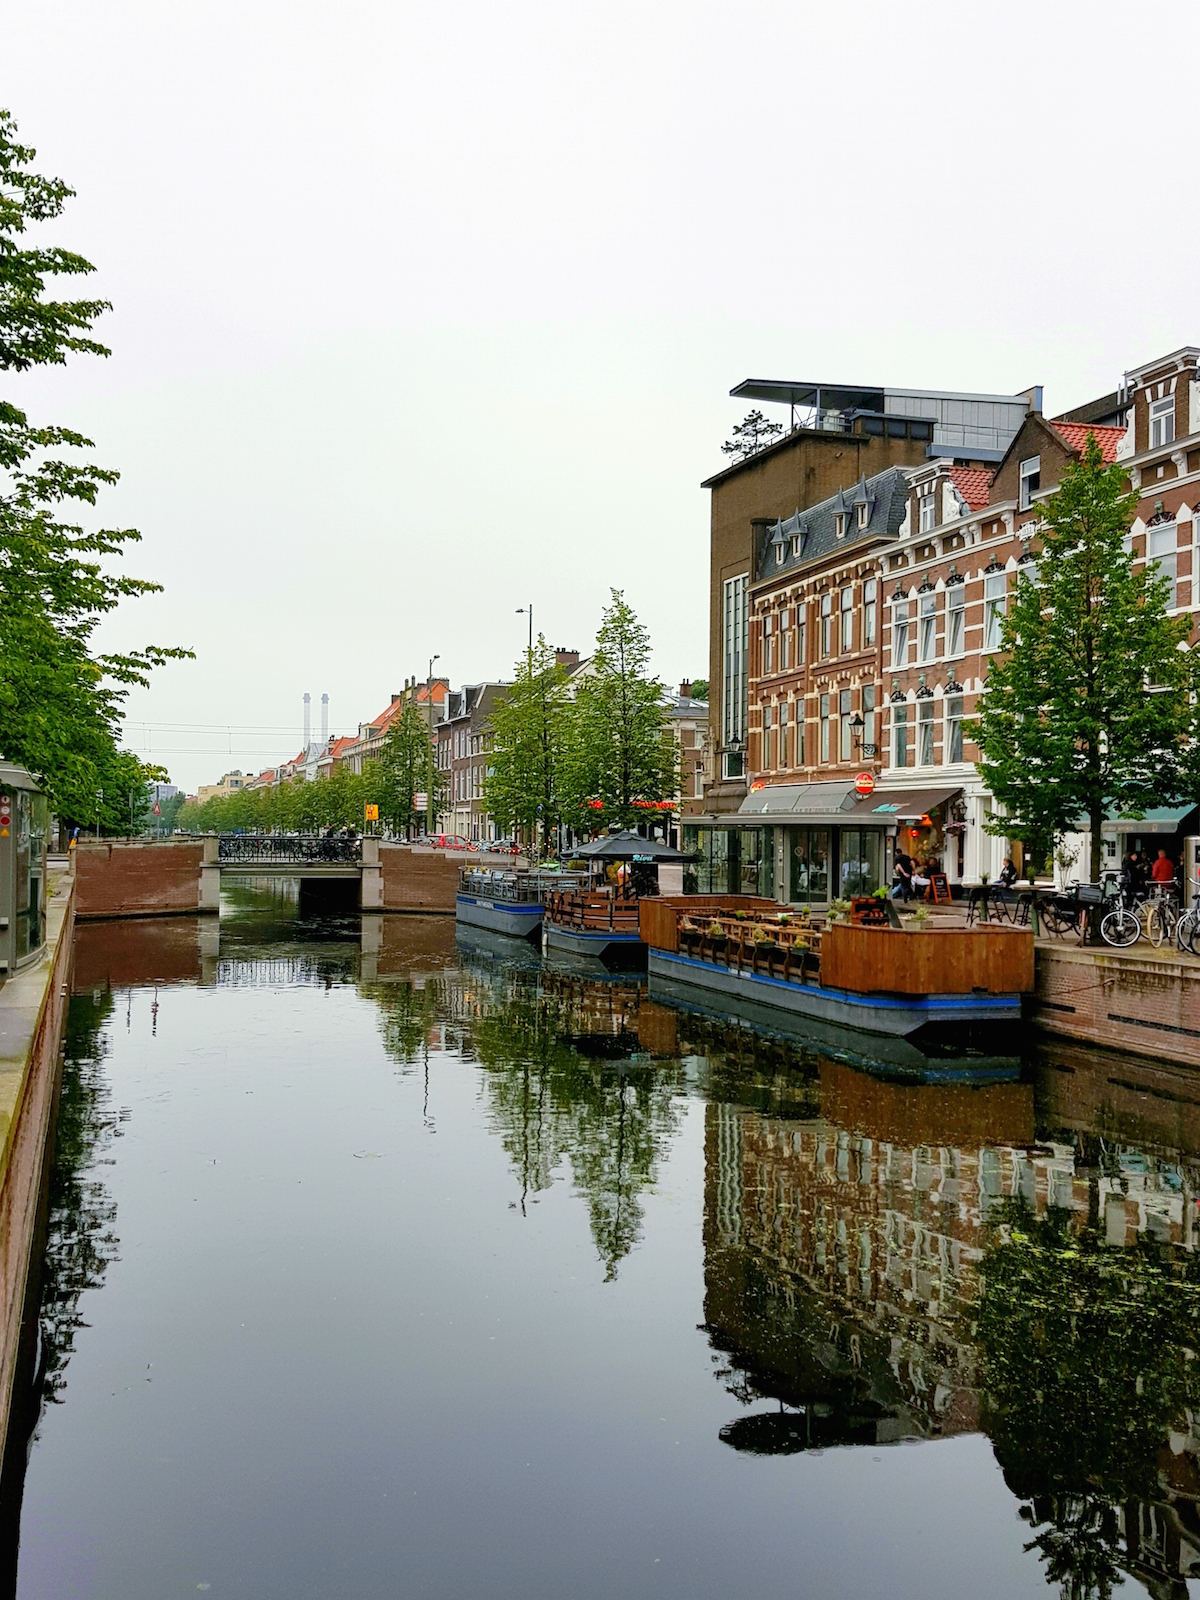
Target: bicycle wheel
x=1159 y=925
x=1185 y=932
x=1120 y=928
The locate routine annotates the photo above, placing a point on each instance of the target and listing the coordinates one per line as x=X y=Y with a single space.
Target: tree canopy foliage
x=60 y=701
x=528 y=744
x=750 y=435
x=1091 y=708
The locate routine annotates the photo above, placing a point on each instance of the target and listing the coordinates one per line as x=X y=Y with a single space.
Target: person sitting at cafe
x=1163 y=870
x=1007 y=876
x=903 y=882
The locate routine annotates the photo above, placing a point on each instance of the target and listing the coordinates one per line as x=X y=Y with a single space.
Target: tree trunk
x=1096 y=823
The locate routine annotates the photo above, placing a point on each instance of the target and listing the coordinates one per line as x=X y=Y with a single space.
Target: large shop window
x=808 y=865
x=860 y=850
x=730 y=861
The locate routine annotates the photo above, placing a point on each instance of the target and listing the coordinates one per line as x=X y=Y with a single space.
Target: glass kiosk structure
x=24 y=818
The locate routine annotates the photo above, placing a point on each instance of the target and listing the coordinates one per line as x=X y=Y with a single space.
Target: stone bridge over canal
x=146 y=878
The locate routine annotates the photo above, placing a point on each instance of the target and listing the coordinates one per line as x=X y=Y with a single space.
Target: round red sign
x=865 y=783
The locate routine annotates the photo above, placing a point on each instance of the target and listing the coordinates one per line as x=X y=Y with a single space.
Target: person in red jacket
x=1163 y=870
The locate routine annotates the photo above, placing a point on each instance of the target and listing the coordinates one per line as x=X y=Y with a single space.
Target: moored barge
x=878 y=979
x=506 y=901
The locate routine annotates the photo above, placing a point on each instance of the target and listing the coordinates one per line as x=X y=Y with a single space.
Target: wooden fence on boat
x=593 y=911
x=992 y=960
x=660 y=916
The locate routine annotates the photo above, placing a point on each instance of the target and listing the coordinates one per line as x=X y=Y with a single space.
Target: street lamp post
x=429 y=772
x=520 y=612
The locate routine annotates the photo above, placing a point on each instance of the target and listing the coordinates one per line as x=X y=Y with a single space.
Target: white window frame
x=956 y=617
x=925 y=727
x=995 y=606
x=827 y=623
x=1165 y=559
x=823 y=708
x=868 y=715
x=899 y=728
x=767 y=740
x=1030 y=481
x=847 y=625
x=735 y=639
x=926 y=510
x=900 y=634
x=870 y=591
x=845 y=735
x=1162 y=422
x=927 y=643
x=952 y=732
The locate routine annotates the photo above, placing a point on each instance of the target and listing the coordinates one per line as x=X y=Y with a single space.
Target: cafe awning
x=908 y=805
x=1161 y=819
x=836 y=804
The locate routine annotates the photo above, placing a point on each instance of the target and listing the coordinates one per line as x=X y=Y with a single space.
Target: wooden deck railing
x=594 y=911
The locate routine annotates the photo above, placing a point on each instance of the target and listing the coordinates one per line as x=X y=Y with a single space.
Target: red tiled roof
x=1075 y=433
x=338 y=746
x=973 y=483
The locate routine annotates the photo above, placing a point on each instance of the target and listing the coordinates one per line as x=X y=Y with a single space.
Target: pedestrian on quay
x=902 y=886
x=1163 y=870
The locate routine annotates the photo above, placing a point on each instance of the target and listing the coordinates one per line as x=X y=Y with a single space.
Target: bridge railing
x=285 y=849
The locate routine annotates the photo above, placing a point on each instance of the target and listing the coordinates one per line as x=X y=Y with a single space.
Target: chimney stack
x=565 y=658
x=685 y=689
x=307 y=721
x=324 y=719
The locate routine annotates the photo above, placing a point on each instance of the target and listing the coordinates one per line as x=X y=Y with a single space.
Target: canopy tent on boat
x=629 y=846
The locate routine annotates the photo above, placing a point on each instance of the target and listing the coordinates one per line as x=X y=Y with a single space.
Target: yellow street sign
x=372 y=813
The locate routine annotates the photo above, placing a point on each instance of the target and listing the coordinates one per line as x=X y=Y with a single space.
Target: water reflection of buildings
x=843 y=1256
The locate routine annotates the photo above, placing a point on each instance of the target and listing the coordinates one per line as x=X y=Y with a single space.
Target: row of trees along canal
x=60 y=700
x=588 y=751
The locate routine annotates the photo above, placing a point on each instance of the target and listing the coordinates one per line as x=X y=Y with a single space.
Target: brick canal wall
x=144 y=878
x=419 y=880
x=33 y=1005
x=1147 y=1004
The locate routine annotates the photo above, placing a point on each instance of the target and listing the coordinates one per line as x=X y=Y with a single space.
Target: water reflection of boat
x=816 y=1426
x=932 y=1060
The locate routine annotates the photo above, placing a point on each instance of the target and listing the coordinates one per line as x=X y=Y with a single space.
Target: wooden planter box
x=990 y=960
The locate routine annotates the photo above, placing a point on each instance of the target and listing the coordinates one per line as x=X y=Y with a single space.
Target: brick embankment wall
x=1146 y=1004
x=139 y=879
x=33 y=1005
x=419 y=880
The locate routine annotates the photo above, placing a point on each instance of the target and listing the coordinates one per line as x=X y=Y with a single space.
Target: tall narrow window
x=801 y=635
x=928 y=507
x=825 y=728
x=766 y=649
x=847 y=621
x=956 y=600
x=798 y=737
x=899 y=735
x=845 y=750
x=870 y=589
x=785 y=639
x=900 y=634
x=827 y=622
x=1030 y=481
x=868 y=715
x=995 y=604
x=735 y=633
x=1162 y=422
x=928 y=627
x=925 y=733
x=1161 y=543
x=783 y=736
x=767 y=741
x=953 y=747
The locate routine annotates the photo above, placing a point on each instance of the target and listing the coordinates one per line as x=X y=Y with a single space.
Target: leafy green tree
x=529 y=728
x=405 y=763
x=620 y=749
x=1091 y=706
x=699 y=688
x=60 y=703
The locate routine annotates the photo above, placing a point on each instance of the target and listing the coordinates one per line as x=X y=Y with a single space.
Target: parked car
x=448 y=841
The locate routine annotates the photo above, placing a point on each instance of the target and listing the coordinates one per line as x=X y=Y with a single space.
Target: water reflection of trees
x=80 y=1242
x=565 y=1078
x=1091 y=1381
x=899 y=1261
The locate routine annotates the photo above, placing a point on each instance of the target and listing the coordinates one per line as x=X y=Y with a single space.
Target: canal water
x=381 y=1263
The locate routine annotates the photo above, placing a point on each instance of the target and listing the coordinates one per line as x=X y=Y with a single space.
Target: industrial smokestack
x=307 y=719
x=324 y=719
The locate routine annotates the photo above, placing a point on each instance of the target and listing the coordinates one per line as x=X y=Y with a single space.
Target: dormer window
x=839 y=525
x=1162 y=422
x=796 y=544
x=864 y=511
x=928 y=510
x=779 y=549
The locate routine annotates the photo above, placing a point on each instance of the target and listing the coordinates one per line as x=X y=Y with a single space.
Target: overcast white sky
x=423 y=312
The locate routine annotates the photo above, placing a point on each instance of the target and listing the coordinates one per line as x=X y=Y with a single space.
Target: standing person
x=902 y=889
x=1163 y=870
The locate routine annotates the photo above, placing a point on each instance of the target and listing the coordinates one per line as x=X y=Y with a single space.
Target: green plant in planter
x=762 y=935
x=920 y=918
x=739 y=916
x=784 y=919
x=880 y=894
x=840 y=909
x=715 y=930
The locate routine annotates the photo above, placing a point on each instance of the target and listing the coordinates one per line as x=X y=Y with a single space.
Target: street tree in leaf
x=60 y=702
x=620 y=748
x=529 y=727
x=404 y=767
x=1090 y=707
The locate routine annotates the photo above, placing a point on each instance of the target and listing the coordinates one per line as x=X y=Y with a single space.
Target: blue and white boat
x=505 y=900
